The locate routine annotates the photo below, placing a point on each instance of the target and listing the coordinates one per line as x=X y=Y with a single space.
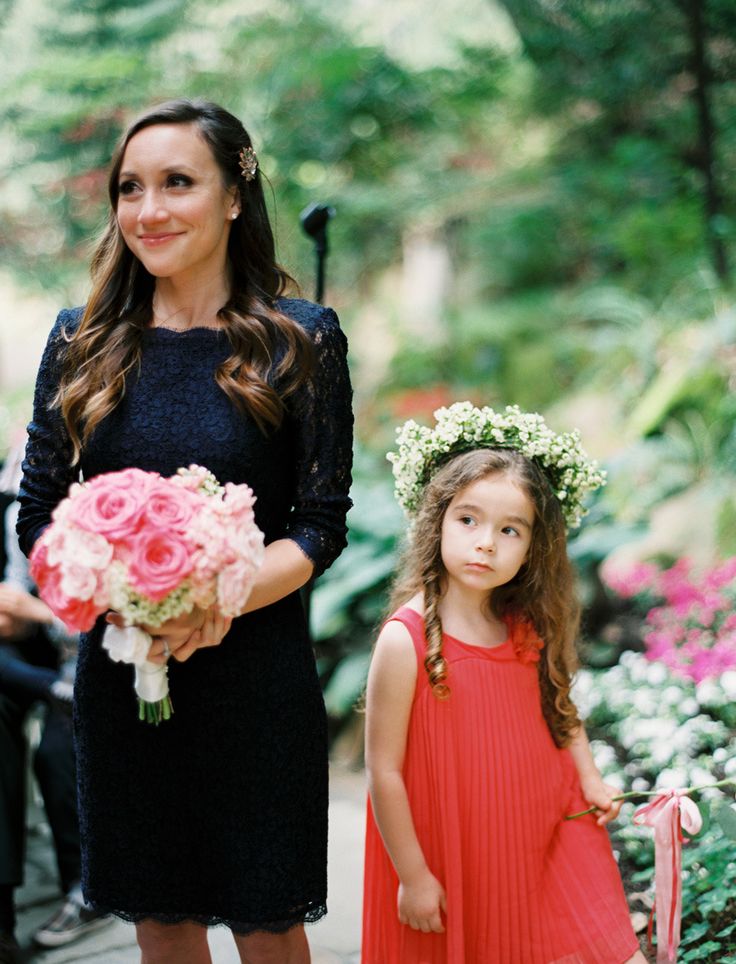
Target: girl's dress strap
x=414 y=622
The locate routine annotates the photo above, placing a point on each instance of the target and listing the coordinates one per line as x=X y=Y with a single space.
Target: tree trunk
x=706 y=135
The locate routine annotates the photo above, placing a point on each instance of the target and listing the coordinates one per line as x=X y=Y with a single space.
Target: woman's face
x=173 y=210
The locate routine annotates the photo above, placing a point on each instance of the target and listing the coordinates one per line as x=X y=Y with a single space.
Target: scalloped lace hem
x=309 y=915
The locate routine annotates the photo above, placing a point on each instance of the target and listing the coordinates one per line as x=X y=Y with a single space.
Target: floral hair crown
x=248 y=162
x=462 y=427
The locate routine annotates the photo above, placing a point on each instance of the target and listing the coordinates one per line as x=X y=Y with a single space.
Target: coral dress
x=488 y=790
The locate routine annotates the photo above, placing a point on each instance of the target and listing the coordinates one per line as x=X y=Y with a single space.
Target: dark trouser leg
x=12 y=790
x=55 y=769
x=7 y=910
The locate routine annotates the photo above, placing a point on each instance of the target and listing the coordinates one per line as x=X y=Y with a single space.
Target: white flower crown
x=463 y=427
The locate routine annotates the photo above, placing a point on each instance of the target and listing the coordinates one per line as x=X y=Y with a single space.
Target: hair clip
x=248 y=163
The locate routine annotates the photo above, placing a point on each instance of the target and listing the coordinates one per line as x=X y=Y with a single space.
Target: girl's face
x=486 y=534
x=173 y=209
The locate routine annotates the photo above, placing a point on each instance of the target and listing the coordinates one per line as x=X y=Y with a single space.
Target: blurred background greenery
x=535 y=204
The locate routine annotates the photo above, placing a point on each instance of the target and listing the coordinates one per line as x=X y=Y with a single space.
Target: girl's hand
x=182 y=636
x=599 y=794
x=420 y=902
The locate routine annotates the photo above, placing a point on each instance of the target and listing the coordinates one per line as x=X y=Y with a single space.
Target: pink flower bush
x=692 y=629
x=148 y=547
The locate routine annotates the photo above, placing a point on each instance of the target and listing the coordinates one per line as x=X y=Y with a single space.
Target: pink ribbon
x=668 y=813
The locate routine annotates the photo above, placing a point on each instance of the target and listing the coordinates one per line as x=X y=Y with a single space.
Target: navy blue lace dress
x=218 y=815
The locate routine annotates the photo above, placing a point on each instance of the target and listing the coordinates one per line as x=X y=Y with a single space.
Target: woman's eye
x=178 y=180
x=127 y=187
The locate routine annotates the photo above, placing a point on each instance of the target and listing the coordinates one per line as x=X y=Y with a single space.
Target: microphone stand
x=314 y=220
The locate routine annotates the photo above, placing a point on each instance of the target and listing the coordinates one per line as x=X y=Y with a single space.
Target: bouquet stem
x=653 y=793
x=152 y=687
x=155 y=712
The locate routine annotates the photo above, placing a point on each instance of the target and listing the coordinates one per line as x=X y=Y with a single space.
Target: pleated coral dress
x=489 y=790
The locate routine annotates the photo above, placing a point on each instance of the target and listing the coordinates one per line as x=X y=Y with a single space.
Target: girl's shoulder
x=525 y=639
x=405 y=627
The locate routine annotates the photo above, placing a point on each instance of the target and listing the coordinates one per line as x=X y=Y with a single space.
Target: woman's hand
x=181 y=637
x=420 y=902
x=600 y=795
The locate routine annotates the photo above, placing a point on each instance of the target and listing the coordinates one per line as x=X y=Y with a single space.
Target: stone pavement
x=334 y=940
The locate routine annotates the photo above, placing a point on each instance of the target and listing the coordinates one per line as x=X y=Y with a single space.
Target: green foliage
x=636 y=163
x=350 y=600
x=99 y=59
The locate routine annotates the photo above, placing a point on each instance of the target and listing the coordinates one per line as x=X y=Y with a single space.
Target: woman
x=187 y=352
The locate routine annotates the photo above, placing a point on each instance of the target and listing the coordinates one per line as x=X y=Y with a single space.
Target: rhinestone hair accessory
x=248 y=163
x=462 y=427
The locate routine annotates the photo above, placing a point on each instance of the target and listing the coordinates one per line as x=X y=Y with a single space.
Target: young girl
x=474 y=749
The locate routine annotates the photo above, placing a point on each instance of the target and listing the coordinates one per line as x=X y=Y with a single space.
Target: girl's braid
x=434 y=661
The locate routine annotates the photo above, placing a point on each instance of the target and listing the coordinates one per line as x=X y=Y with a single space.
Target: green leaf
x=330 y=599
x=346 y=684
x=705 y=814
x=726 y=817
x=702 y=952
x=695 y=932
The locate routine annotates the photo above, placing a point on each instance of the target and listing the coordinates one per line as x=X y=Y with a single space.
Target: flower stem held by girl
x=474 y=748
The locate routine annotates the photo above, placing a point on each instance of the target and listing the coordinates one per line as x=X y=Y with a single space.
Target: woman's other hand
x=183 y=636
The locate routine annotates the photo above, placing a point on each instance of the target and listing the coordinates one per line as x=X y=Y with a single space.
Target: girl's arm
x=595 y=791
x=391 y=682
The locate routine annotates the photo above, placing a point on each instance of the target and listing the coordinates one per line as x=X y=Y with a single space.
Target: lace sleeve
x=323 y=419
x=47 y=468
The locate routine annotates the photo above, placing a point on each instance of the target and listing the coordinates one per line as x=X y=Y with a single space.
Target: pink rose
x=159 y=562
x=169 y=507
x=108 y=509
x=79 y=615
x=39 y=566
x=126 y=479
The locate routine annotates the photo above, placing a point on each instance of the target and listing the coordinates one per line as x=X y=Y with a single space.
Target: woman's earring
x=234 y=215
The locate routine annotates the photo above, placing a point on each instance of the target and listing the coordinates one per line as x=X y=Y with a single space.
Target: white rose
x=129 y=644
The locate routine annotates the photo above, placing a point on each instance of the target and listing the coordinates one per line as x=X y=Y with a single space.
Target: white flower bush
x=652 y=729
x=664 y=725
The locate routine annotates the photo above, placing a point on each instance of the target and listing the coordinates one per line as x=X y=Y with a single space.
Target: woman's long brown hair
x=542 y=592
x=271 y=354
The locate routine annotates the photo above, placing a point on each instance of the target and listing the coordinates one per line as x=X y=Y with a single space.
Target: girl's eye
x=467 y=520
x=511 y=530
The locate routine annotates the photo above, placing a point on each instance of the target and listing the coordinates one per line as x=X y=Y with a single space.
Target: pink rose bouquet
x=150 y=548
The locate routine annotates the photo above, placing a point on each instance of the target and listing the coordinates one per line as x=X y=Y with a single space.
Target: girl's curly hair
x=542 y=591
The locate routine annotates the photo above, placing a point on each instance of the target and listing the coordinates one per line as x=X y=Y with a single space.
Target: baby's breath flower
x=462 y=427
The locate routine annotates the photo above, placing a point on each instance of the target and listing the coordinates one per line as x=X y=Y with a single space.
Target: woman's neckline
x=182 y=332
